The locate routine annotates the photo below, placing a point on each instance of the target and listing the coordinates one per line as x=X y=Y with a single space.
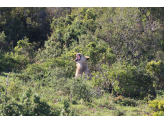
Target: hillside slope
x=125 y=46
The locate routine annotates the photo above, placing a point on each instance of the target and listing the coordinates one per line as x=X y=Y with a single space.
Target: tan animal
x=82 y=66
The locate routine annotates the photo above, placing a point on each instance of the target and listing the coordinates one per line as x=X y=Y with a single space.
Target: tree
x=129 y=33
x=18 y=22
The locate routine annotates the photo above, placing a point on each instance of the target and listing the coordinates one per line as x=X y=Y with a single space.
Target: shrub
x=157 y=69
x=52 y=49
x=2 y=89
x=125 y=101
x=22 y=54
x=129 y=32
x=66 y=108
x=14 y=90
x=2 y=40
x=35 y=68
x=100 y=53
x=119 y=112
x=80 y=89
x=27 y=106
x=8 y=63
x=33 y=72
x=160 y=113
x=157 y=107
x=129 y=80
x=41 y=108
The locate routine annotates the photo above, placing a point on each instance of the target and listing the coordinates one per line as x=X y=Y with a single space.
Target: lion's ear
x=87 y=57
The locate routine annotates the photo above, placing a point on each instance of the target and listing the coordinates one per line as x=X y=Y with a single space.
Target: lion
x=82 y=65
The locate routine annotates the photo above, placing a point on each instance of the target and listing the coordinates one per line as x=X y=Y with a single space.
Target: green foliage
x=2 y=88
x=18 y=22
x=124 y=45
x=18 y=59
x=100 y=53
x=53 y=50
x=27 y=106
x=128 y=80
x=2 y=40
x=15 y=109
x=94 y=52
x=67 y=30
x=35 y=68
x=160 y=113
x=63 y=62
x=154 y=66
x=80 y=89
x=130 y=35
x=36 y=71
x=11 y=61
x=33 y=72
x=97 y=79
x=125 y=101
x=157 y=70
x=24 y=51
x=14 y=90
x=162 y=45
x=66 y=109
x=157 y=107
x=2 y=48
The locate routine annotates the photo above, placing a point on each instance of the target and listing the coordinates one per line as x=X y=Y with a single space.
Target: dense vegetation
x=38 y=46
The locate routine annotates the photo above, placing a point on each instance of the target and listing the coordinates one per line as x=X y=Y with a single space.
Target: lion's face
x=80 y=58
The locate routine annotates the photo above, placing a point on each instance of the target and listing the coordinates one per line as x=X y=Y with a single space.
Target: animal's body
x=82 y=66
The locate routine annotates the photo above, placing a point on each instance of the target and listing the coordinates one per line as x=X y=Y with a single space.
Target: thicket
x=127 y=80
x=157 y=107
x=125 y=46
x=157 y=70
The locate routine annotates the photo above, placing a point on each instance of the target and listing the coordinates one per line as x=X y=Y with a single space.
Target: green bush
x=22 y=55
x=7 y=62
x=28 y=105
x=129 y=80
x=81 y=89
x=1 y=63
x=129 y=32
x=14 y=90
x=66 y=109
x=125 y=101
x=2 y=40
x=52 y=49
x=2 y=89
x=160 y=113
x=100 y=53
x=37 y=70
x=157 y=70
x=157 y=107
x=67 y=30
x=33 y=72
